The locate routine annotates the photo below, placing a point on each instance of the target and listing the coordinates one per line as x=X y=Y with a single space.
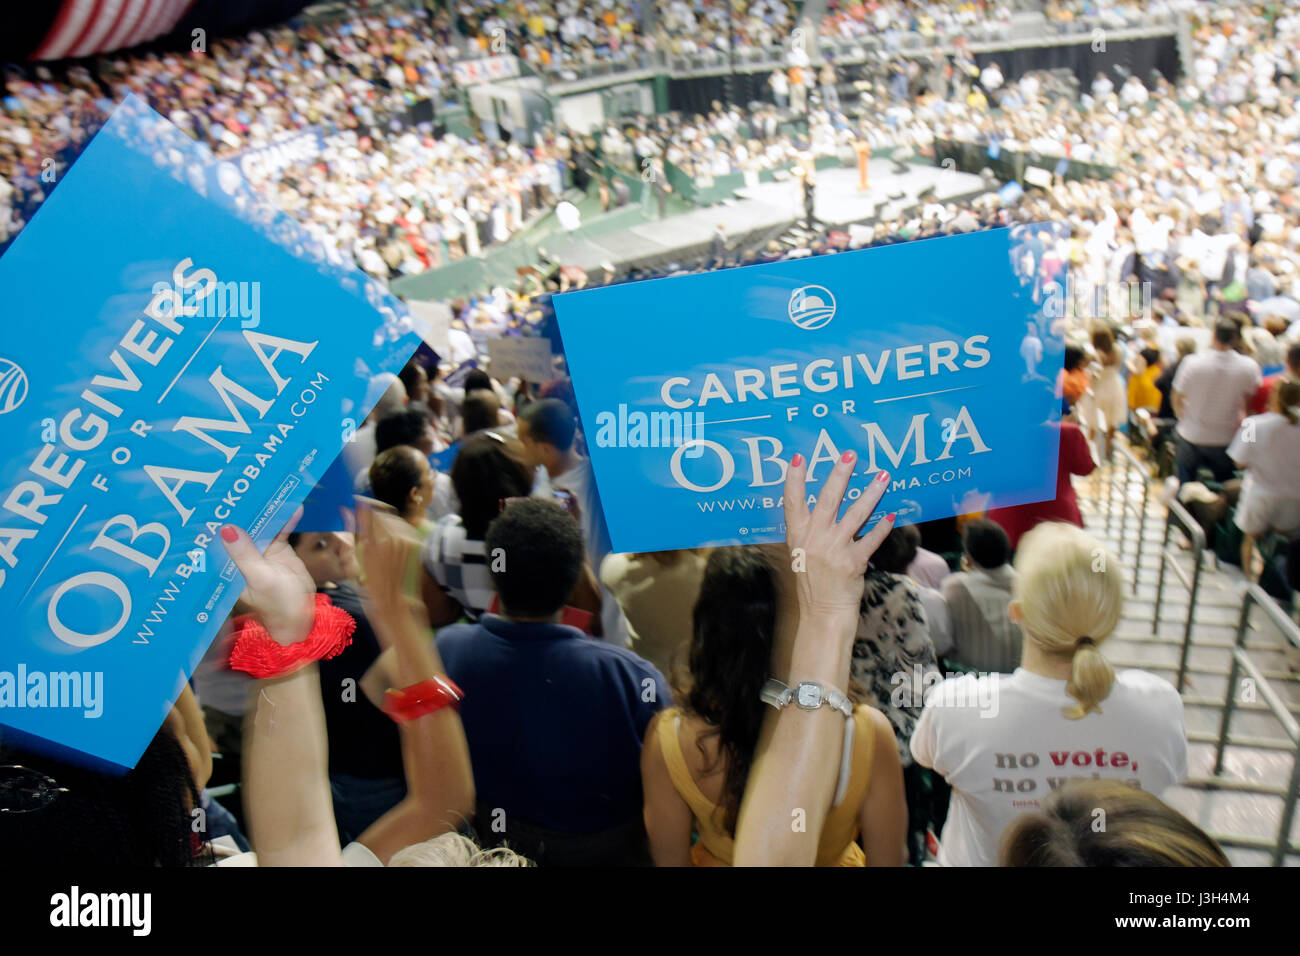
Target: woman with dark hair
x=403 y=479
x=696 y=758
x=894 y=637
x=895 y=662
x=489 y=469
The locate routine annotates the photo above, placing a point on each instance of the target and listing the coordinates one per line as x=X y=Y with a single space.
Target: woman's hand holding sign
x=833 y=560
x=277 y=588
x=799 y=752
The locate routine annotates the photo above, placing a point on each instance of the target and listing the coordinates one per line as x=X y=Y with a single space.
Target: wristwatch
x=807 y=695
x=810 y=696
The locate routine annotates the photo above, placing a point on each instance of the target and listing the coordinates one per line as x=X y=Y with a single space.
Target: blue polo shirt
x=554 y=721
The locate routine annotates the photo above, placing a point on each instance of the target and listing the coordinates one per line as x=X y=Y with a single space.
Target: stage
x=839 y=202
x=762 y=212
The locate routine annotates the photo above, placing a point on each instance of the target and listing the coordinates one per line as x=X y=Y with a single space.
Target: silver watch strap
x=778 y=695
x=775 y=693
x=839 y=701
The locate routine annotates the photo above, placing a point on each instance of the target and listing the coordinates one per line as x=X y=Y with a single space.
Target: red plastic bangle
x=423 y=698
x=255 y=652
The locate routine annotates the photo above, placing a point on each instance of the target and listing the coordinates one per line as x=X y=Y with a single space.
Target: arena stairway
x=1242 y=808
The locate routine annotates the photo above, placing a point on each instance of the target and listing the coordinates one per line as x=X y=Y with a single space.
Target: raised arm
x=435 y=754
x=286 y=759
x=798 y=755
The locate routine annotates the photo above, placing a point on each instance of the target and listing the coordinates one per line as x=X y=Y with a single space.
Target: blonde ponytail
x=1091 y=678
x=1071 y=593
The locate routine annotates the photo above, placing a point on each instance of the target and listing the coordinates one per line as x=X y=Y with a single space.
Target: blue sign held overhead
x=141 y=409
x=331 y=504
x=936 y=361
x=456 y=378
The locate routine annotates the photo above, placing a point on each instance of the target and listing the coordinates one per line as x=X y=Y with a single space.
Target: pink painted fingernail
x=228 y=533
x=882 y=477
x=796 y=461
x=891 y=516
x=848 y=456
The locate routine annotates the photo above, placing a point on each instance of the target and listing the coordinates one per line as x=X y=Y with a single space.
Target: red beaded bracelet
x=423 y=698
x=255 y=652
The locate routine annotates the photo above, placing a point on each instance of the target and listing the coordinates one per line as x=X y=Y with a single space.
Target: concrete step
x=1231 y=816
x=1147 y=655
x=1243 y=806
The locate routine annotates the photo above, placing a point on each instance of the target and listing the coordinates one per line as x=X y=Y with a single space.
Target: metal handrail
x=1257 y=596
x=1131 y=463
x=1189 y=525
x=1107 y=480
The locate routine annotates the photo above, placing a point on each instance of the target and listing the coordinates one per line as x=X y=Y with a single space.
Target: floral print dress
x=893 y=655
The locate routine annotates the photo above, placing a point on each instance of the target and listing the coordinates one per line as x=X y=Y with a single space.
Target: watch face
x=808 y=695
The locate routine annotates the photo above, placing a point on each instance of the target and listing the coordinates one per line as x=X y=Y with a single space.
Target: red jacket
x=1075 y=458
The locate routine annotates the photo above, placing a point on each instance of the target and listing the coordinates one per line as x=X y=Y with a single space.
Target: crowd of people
x=527 y=732
x=891 y=20
x=579 y=707
x=384 y=193
x=472 y=677
x=1106 y=14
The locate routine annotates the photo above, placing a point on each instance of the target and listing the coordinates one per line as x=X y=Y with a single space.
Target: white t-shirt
x=1217 y=385
x=1269 y=446
x=1004 y=743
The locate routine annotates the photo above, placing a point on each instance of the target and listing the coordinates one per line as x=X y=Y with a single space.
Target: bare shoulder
x=879 y=723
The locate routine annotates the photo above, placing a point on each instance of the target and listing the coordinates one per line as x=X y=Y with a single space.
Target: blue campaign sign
x=935 y=360
x=330 y=505
x=173 y=365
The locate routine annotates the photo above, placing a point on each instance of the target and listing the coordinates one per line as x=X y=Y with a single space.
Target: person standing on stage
x=863 y=149
x=807 y=180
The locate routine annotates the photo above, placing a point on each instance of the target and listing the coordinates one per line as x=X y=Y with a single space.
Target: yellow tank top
x=838 y=845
